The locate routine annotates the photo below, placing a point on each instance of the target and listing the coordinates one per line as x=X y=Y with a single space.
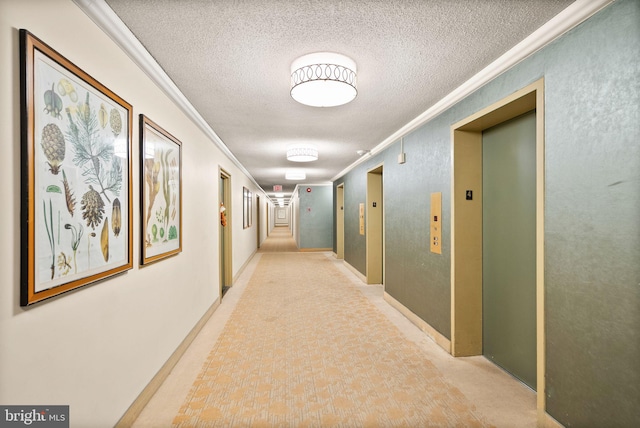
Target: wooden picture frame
x=76 y=207
x=160 y=192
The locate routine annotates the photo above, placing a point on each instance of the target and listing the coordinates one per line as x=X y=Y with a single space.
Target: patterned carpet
x=280 y=241
x=305 y=348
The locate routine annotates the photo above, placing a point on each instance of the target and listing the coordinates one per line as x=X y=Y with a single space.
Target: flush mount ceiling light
x=302 y=153
x=295 y=175
x=323 y=79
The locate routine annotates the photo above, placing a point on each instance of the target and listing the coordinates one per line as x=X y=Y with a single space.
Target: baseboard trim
x=305 y=250
x=545 y=420
x=152 y=387
x=434 y=334
x=355 y=271
x=244 y=266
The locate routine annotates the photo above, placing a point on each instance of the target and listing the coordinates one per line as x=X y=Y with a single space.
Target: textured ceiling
x=231 y=59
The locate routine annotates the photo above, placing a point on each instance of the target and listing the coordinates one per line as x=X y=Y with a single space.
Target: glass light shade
x=302 y=153
x=323 y=79
x=295 y=175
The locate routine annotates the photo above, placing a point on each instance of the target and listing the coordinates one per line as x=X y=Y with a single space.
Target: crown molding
x=107 y=20
x=569 y=18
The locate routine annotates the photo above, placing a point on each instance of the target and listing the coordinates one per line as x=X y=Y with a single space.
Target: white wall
x=96 y=348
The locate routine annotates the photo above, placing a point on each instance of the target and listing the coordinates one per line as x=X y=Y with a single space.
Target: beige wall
x=96 y=348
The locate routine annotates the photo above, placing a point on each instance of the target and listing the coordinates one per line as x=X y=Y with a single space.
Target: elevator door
x=509 y=246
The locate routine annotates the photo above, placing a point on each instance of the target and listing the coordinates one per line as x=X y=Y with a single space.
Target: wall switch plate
x=402 y=158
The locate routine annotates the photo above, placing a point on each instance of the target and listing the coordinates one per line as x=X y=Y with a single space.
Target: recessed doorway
x=469 y=249
x=340 y=221
x=374 y=223
x=225 y=262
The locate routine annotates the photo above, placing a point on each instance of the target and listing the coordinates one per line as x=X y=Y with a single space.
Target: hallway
x=300 y=341
x=279 y=241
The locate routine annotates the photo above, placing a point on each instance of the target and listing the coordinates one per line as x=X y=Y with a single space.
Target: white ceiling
x=231 y=59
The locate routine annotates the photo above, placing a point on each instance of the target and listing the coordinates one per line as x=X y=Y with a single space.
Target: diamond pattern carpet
x=305 y=348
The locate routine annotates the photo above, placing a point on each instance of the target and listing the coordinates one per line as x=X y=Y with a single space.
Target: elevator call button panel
x=436 y=223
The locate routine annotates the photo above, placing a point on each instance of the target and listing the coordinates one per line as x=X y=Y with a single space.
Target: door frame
x=466 y=225
x=225 y=248
x=374 y=226
x=258 y=219
x=340 y=221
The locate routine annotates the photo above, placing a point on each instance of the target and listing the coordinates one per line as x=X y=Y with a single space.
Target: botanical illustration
x=161 y=189
x=80 y=166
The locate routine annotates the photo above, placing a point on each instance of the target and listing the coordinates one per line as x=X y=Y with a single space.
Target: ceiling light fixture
x=323 y=79
x=295 y=175
x=302 y=153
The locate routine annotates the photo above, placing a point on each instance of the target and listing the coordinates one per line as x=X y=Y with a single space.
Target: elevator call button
x=436 y=229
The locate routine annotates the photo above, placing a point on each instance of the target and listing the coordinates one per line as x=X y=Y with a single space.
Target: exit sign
x=277 y=188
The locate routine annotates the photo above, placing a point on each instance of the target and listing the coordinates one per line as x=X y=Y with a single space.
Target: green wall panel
x=592 y=215
x=316 y=219
x=355 y=192
x=416 y=277
x=593 y=221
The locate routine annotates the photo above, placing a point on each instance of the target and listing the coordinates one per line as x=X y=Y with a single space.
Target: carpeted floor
x=280 y=241
x=304 y=349
x=299 y=341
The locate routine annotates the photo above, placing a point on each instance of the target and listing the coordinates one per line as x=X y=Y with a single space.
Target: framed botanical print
x=76 y=206
x=161 y=191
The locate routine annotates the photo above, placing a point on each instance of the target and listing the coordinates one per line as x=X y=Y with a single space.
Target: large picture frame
x=161 y=192
x=76 y=203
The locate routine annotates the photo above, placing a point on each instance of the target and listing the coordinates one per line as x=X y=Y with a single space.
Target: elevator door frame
x=374 y=225
x=340 y=221
x=466 y=224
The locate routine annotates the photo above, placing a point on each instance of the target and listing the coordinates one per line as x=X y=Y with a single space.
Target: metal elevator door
x=509 y=246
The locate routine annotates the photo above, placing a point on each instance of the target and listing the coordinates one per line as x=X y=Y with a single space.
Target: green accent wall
x=592 y=221
x=592 y=215
x=355 y=192
x=316 y=218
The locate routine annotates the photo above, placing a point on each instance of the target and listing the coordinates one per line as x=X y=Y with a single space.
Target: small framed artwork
x=76 y=206
x=246 y=207
x=161 y=192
